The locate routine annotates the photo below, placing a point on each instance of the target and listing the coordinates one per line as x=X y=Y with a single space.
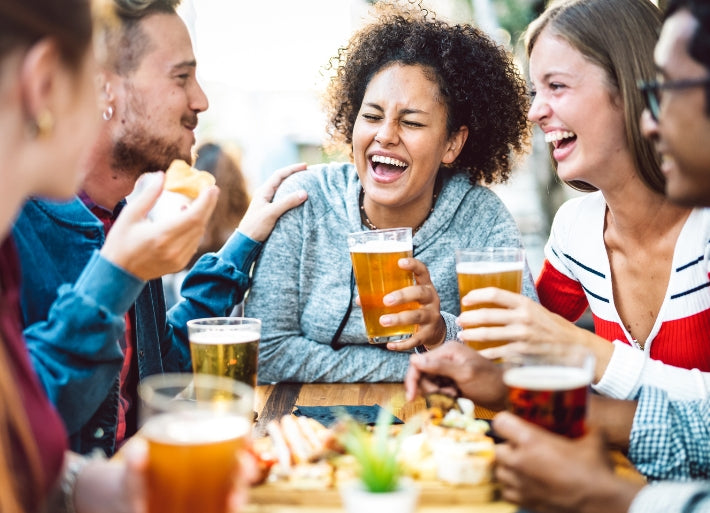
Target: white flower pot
x=357 y=499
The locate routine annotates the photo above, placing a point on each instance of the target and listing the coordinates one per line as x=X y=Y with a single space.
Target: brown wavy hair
x=478 y=82
x=224 y=163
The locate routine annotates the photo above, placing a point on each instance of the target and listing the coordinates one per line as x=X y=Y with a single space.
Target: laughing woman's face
x=400 y=140
x=582 y=119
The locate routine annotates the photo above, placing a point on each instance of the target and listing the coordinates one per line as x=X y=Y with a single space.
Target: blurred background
x=262 y=65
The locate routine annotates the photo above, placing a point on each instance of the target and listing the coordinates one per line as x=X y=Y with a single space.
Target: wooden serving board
x=430 y=492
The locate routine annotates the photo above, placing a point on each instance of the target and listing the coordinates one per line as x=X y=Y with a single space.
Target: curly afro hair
x=478 y=81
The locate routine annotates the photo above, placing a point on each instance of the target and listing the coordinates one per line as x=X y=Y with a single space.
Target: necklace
x=370 y=225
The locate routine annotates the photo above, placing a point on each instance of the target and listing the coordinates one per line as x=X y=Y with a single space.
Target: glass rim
x=243 y=393
x=223 y=322
x=381 y=230
x=490 y=253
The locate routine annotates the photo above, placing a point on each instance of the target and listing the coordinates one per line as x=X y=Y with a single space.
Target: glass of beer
x=225 y=346
x=548 y=385
x=489 y=267
x=375 y=254
x=195 y=426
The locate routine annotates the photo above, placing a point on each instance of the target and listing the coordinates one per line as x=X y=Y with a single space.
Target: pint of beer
x=489 y=267
x=549 y=385
x=195 y=427
x=375 y=254
x=225 y=346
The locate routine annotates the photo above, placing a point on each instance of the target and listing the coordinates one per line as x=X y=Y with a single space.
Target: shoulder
x=585 y=211
x=587 y=204
x=320 y=178
x=328 y=186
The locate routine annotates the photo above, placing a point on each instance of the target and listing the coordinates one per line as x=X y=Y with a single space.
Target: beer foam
x=223 y=336
x=195 y=427
x=547 y=377
x=381 y=246
x=487 y=267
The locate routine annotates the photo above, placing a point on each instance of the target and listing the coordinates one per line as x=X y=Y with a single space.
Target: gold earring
x=44 y=123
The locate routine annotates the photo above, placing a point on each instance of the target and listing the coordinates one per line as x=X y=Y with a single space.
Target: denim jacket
x=74 y=302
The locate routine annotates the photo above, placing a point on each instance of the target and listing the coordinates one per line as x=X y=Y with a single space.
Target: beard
x=140 y=153
x=138 y=150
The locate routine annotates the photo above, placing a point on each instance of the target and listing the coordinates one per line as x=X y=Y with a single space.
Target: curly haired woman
x=430 y=111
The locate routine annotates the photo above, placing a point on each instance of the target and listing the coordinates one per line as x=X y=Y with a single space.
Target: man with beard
x=96 y=321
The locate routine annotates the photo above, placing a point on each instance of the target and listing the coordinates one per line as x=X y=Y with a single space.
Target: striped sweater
x=576 y=273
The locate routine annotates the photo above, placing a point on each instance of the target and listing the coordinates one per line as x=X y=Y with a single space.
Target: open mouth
x=560 y=138
x=387 y=168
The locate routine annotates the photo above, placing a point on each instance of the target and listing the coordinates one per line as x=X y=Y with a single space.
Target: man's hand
x=149 y=249
x=477 y=378
x=535 y=470
x=262 y=214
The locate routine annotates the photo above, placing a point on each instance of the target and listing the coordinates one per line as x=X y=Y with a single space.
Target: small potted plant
x=380 y=485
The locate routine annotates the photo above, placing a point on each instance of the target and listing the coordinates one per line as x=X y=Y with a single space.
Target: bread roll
x=186 y=180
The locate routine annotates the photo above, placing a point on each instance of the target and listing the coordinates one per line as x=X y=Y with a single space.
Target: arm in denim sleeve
x=216 y=283
x=76 y=352
x=670 y=439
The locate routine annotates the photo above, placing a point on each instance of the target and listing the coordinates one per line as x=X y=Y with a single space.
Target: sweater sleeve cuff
x=623 y=373
x=108 y=284
x=241 y=251
x=452 y=329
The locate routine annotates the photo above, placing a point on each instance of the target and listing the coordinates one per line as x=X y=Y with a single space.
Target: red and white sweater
x=576 y=273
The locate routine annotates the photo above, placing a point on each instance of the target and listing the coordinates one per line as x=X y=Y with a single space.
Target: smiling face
x=158 y=103
x=400 y=141
x=682 y=134
x=581 y=118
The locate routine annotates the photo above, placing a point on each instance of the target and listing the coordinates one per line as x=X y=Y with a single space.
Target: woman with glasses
x=623 y=250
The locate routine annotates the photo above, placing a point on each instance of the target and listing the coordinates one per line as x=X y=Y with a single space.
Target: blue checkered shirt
x=670 y=439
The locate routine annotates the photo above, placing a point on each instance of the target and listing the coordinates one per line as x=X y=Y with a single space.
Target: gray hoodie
x=301 y=287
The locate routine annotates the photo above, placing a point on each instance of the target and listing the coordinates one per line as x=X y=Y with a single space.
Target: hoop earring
x=43 y=124
x=107 y=114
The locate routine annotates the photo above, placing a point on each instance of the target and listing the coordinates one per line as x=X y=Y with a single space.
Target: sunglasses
x=652 y=91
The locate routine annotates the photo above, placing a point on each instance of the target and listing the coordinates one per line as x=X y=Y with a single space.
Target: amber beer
x=491 y=267
x=234 y=354
x=195 y=426
x=478 y=275
x=551 y=397
x=375 y=259
x=225 y=346
x=192 y=461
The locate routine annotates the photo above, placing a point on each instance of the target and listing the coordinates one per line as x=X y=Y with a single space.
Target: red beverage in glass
x=553 y=397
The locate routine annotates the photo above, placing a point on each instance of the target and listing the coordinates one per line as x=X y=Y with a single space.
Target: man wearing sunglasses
x=577 y=475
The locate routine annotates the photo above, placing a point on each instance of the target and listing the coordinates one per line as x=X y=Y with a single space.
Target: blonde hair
x=618 y=36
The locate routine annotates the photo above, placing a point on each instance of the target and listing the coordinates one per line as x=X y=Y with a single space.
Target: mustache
x=190 y=120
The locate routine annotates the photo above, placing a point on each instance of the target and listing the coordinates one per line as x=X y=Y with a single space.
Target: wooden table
x=273 y=401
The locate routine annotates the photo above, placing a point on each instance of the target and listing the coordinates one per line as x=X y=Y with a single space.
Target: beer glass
x=375 y=254
x=548 y=385
x=489 y=267
x=225 y=346
x=195 y=426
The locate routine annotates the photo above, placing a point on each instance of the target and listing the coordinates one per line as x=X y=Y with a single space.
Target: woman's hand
x=509 y=317
x=430 y=326
x=476 y=377
x=262 y=214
